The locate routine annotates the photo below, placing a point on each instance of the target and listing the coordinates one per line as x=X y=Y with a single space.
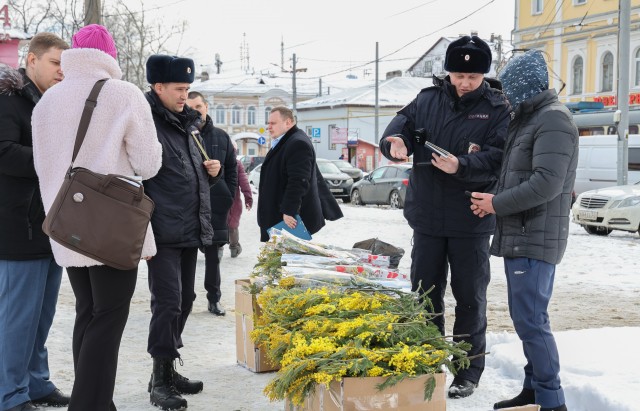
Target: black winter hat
x=468 y=55
x=170 y=69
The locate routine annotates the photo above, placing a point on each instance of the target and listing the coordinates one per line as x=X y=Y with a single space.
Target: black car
x=386 y=185
x=347 y=168
x=339 y=183
x=251 y=162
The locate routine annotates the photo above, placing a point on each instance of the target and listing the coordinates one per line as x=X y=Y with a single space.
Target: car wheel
x=355 y=198
x=597 y=230
x=394 y=199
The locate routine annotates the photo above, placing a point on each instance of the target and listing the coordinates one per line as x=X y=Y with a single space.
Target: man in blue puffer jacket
x=467 y=116
x=532 y=206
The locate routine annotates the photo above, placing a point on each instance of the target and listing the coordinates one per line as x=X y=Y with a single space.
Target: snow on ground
x=595 y=313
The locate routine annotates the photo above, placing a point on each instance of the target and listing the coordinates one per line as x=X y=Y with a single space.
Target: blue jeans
x=28 y=297
x=530 y=285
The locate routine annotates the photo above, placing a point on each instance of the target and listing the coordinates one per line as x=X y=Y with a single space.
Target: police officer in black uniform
x=466 y=115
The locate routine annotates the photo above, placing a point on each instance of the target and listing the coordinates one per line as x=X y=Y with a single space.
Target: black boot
x=163 y=391
x=185 y=385
x=527 y=396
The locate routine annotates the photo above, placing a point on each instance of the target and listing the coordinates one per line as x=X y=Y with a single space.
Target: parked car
x=250 y=162
x=339 y=183
x=386 y=185
x=606 y=209
x=347 y=168
x=254 y=176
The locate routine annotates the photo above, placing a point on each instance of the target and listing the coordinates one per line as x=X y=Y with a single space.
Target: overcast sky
x=330 y=36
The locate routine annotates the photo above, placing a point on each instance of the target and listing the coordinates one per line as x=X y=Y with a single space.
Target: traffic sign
x=315 y=134
x=261 y=140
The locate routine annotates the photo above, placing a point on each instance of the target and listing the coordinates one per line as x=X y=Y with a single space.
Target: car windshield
x=328 y=168
x=342 y=164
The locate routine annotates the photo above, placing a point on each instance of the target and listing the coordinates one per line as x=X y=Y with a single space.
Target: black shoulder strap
x=89 y=105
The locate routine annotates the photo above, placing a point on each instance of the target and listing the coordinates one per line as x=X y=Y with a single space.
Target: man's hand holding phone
x=481 y=203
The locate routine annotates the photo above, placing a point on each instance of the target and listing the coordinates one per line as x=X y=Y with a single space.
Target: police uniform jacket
x=472 y=128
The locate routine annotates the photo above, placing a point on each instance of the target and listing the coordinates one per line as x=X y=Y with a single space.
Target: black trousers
x=470 y=276
x=103 y=295
x=172 y=274
x=212 y=273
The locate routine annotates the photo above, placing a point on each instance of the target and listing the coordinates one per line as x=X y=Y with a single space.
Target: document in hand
x=438 y=150
x=300 y=231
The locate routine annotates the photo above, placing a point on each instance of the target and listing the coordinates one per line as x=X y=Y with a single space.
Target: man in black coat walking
x=219 y=147
x=290 y=182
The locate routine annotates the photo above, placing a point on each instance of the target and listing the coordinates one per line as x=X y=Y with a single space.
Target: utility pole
x=295 y=96
x=376 y=110
x=92 y=12
x=218 y=63
x=622 y=114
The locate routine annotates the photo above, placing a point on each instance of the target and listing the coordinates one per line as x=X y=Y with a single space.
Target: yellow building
x=580 y=39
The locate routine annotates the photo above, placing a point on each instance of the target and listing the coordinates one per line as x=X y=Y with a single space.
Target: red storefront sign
x=634 y=99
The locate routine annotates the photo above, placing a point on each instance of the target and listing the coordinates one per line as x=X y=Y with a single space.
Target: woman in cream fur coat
x=121 y=139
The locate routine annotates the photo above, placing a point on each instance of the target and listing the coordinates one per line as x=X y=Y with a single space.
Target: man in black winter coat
x=181 y=223
x=467 y=117
x=290 y=182
x=532 y=205
x=219 y=147
x=29 y=276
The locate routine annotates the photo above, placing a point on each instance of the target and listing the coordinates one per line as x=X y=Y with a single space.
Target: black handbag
x=104 y=217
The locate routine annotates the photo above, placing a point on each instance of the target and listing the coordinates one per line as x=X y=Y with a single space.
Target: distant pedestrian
x=341 y=157
x=236 y=209
x=29 y=275
x=532 y=207
x=219 y=147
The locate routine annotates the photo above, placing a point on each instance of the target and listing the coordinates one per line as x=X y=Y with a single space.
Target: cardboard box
x=361 y=394
x=248 y=354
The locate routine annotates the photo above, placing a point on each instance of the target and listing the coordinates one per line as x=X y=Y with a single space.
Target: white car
x=606 y=209
x=254 y=176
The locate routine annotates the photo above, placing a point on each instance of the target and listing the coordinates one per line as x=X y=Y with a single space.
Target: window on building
x=251 y=116
x=267 y=111
x=235 y=115
x=607 y=72
x=637 y=61
x=578 y=71
x=220 y=114
x=428 y=66
x=537 y=6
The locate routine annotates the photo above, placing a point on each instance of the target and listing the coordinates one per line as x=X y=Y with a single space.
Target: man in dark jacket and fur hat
x=532 y=205
x=29 y=276
x=181 y=223
x=465 y=115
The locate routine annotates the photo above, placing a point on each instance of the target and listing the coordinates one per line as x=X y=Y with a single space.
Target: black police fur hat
x=170 y=69
x=468 y=55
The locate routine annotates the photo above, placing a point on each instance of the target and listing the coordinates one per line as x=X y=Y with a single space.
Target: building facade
x=580 y=40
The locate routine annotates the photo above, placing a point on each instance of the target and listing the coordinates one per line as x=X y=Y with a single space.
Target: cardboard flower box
x=361 y=394
x=248 y=354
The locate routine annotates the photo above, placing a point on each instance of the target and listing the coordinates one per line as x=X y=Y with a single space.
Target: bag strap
x=89 y=105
